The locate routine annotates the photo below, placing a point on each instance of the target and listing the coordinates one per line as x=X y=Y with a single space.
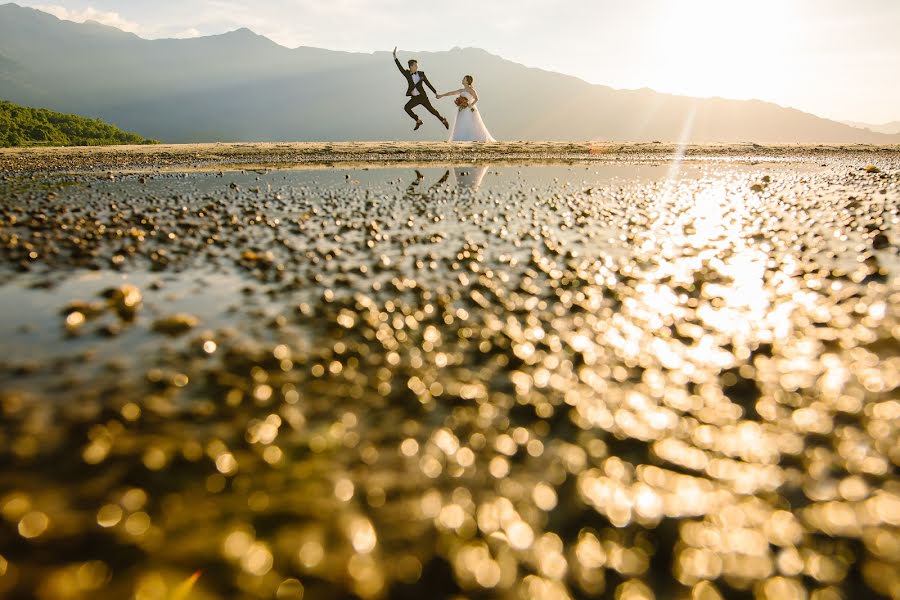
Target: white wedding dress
x=468 y=126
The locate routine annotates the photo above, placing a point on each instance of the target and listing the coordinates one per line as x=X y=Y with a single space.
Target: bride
x=468 y=127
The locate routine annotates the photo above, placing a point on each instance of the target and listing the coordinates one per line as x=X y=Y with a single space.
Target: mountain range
x=240 y=86
x=890 y=128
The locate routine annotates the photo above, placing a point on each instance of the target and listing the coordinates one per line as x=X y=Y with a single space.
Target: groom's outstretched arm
x=397 y=62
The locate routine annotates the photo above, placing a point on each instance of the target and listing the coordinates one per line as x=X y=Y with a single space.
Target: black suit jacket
x=423 y=81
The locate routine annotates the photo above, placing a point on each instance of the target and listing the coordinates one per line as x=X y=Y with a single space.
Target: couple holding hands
x=468 y=127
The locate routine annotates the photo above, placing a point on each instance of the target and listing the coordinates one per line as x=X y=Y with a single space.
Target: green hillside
x=24 y=126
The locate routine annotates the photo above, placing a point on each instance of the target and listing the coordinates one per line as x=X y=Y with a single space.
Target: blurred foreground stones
x=399 y=387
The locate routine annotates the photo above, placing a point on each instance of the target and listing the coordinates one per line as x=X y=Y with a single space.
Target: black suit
x=420 y=98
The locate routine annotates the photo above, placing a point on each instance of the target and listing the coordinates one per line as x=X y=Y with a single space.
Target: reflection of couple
x=466 y=178
x=469 y=127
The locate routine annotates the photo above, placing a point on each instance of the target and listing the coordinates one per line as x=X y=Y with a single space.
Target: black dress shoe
x=446 y=123
x=418 y=124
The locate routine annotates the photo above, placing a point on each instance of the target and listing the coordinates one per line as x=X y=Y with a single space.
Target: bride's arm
x=474 y=97
x=459 y=91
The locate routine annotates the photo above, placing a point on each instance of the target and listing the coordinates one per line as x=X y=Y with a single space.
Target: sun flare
x=712 y=48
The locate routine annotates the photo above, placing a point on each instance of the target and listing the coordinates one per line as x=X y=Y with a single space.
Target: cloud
x=111 y=18
x=191 y=32
x=114 y=19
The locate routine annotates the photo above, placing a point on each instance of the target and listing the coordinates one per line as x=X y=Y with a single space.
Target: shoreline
x=297 y=154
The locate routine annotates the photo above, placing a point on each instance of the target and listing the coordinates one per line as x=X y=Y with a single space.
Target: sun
x=716 y=47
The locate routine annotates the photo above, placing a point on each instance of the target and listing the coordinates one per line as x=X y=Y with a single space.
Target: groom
x=416 y=80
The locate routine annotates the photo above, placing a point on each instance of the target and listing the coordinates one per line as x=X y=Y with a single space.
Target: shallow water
x=548 y=381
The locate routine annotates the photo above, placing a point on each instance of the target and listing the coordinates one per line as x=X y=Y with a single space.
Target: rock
x=175 y=324
x=260 y=258
x=74 y=321
x=109 y=330
x=88 y=309
x=125 y=300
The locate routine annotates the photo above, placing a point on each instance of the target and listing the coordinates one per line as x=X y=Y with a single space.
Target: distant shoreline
x=288 y=154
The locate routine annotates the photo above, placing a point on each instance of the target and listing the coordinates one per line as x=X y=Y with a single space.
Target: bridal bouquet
x=462 y=102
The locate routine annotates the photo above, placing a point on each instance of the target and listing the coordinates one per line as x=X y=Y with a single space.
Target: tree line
x=25 y=126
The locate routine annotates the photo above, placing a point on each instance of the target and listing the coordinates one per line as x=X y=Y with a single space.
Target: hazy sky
x=836 y=58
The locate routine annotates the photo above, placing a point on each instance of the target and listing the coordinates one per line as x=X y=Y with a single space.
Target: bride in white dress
x=468 y=126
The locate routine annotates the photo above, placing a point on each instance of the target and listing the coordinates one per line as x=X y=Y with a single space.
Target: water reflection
x=470 y=177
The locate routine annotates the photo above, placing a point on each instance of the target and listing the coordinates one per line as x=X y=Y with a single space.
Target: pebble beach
x=521 y=370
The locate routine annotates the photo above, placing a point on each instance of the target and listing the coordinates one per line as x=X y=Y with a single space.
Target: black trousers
x=421 y=100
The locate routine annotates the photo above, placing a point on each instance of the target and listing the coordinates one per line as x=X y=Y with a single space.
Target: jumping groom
x=416 y=82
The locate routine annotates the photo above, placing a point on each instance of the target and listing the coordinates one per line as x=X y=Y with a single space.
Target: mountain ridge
x=890 y=128
x=242 y=86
